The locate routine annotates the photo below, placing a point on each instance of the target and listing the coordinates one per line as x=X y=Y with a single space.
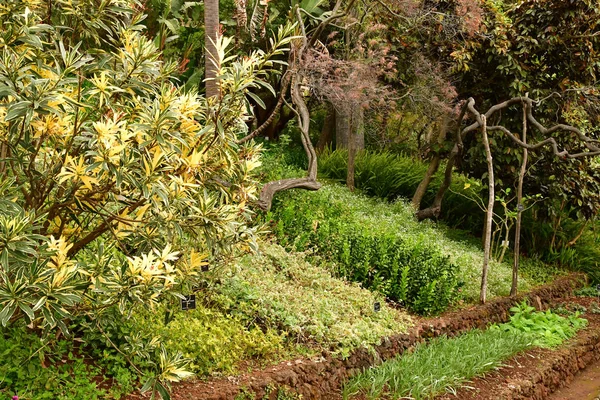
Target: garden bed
x=322 y=377
x=537 y=373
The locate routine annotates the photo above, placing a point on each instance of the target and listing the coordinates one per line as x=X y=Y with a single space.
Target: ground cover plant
x=547 y=329
x=283 y=291
x=443 y=364
x=437 y=366
x=215 y=342
x=383 y=247
x=390 y=175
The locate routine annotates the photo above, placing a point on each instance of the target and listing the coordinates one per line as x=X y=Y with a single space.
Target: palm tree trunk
x=211 y=25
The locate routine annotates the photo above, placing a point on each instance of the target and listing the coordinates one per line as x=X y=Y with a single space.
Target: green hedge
x=368 y=248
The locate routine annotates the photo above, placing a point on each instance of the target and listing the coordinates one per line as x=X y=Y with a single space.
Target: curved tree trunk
x=211 y=25
x=434 y=165
x=310 y=182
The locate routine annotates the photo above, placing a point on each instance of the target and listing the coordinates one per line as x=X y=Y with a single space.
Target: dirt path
x=586 y=386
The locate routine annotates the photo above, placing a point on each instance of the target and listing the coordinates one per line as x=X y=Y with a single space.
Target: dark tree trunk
x=434 y=165
x=326 y=137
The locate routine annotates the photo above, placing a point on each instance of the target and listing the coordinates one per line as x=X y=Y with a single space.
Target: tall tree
x=211 y=25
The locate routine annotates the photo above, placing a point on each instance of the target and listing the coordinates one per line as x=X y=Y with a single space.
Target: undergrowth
x=282 y=291
x=443 y=364
x=437 y=366
x=33 y=369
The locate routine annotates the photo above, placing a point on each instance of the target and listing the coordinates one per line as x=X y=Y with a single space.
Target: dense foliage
x=108 y=172
x=546 y=329
x=282 y=291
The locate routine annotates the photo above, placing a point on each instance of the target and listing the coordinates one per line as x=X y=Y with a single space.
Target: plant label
x=188 y=302
x=377 y=306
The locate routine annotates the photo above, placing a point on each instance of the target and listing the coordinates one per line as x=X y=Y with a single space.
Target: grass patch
x=282 y=291
x=438 y=366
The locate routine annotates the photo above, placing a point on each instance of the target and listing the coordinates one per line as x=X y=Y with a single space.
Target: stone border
x=322 y=378
x=557 y=370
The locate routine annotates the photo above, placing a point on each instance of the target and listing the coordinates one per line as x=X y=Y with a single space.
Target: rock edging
x=321 y=378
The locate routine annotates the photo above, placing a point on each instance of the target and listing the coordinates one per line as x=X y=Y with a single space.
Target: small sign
x=377 y=306
x=188 y=302
x=598 y=287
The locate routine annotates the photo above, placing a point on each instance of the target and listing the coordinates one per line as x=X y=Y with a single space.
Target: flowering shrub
x=108 y=171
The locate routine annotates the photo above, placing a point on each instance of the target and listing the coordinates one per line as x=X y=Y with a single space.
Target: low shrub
x=215 y=342
x=372 y=242
x=34 y=369
x=546 y=329
x=438 y=366
x=281 y=290
x=367 y=247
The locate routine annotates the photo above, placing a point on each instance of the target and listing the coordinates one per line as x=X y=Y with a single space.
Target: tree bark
x=211 y=25
x=356 y=131
x=434 y=165
x=520 y=208
x=342 y=128
x=310 y=182
x=349 y=121
x=489 y=214
x=326 y=137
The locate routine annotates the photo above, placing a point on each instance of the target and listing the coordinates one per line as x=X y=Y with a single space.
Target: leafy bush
x=215 y=342
x=32 y=369
x=547 y=329
x=281 y=290
x=438 y=366
x=115 y=184
x=361 y=235
x=368 y=247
